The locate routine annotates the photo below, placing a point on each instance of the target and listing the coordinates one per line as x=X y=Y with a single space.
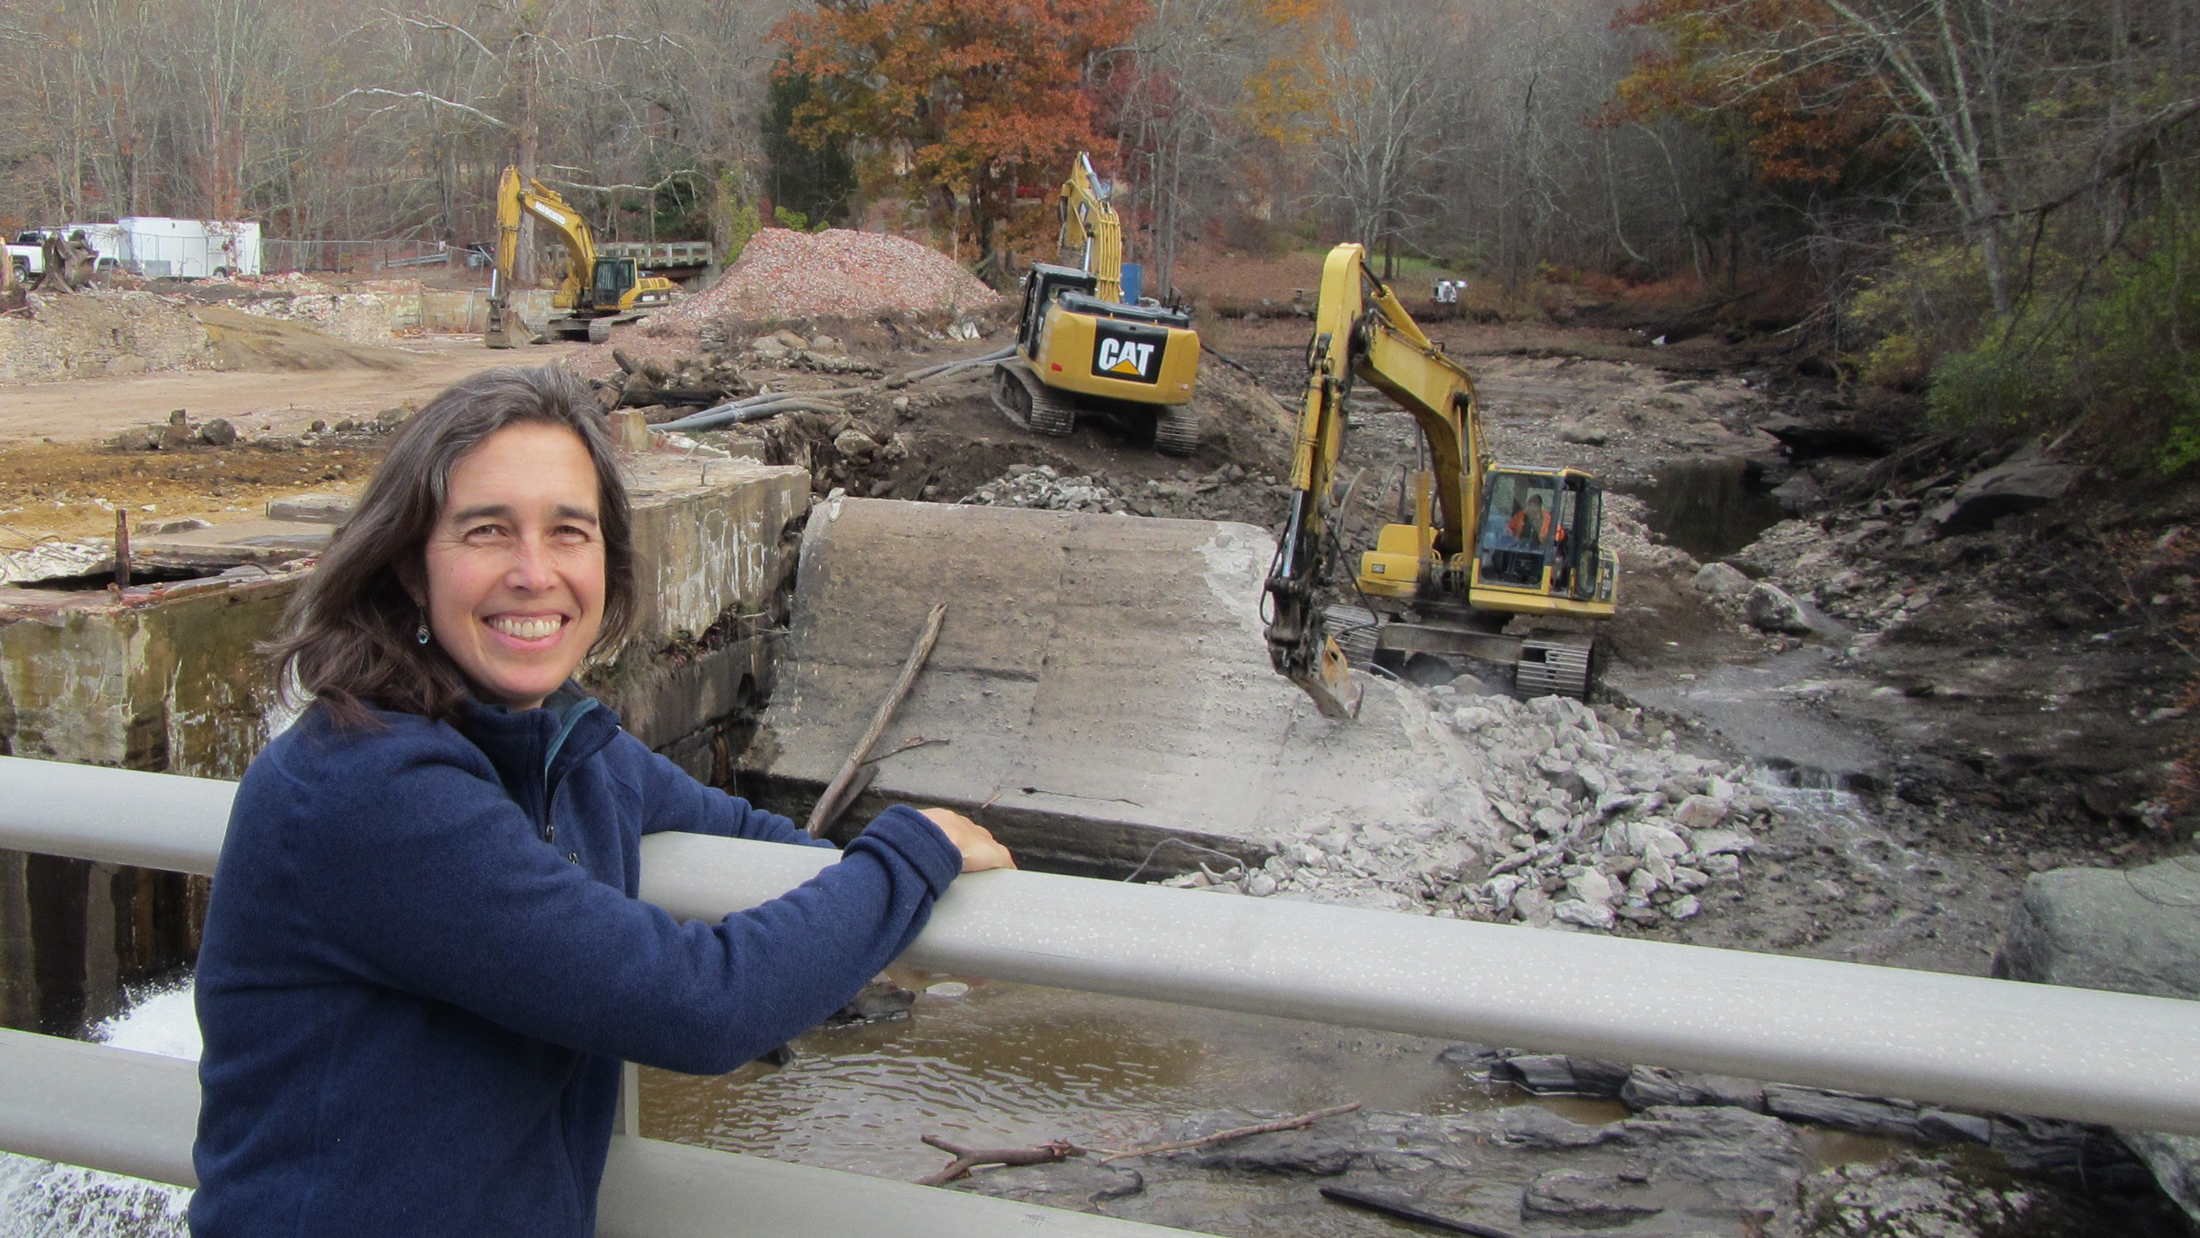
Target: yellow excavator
x=1081 y=348
x=596 y=291
x=1496 y=542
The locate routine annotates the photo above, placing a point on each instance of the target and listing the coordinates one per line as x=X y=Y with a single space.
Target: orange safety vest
x=1518 y=526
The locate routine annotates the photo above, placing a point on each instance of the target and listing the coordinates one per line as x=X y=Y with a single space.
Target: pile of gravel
x=837 y=273
x=1040 y=486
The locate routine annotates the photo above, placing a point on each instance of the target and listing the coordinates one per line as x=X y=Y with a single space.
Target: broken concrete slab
x=161 y=678
x=236 y=541
x=1102 y=684
x=312 y=508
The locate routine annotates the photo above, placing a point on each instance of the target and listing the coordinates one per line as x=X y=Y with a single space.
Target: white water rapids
x=42 y=1199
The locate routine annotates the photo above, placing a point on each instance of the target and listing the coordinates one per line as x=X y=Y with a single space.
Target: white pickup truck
x=27 y=256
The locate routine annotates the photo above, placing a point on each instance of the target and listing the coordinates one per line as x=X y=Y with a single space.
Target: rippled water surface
x=1015 y=1065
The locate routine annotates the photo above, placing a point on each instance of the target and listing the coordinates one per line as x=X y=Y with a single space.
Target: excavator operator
x=1533 y=524
x=1514 y=552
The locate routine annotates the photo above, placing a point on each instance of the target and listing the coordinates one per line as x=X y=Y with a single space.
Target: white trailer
x=156 y=246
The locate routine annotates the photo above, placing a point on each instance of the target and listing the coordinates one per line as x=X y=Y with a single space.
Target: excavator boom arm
x=1361 y=331
x=518 y=196
x=1089 y=223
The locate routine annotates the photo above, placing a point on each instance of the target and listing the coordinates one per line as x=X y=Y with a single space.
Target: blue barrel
x=1134 y=280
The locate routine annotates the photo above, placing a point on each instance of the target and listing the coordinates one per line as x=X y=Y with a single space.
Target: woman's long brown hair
x=349 y=633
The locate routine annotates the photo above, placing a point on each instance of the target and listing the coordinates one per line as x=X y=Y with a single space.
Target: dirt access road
x=256 y=402
x=62 y=477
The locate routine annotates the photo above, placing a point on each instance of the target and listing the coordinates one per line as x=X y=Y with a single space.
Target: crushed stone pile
x=353 y=317
x=1040 y=486
x=1552 y=816
x=837 y=273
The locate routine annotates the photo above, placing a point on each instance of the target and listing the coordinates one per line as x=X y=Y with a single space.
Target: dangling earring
x=420 y=633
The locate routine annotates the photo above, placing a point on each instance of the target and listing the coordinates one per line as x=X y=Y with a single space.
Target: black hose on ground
x=771 y=404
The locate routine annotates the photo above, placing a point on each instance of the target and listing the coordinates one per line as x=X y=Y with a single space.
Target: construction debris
x=1040 y=486
x=823 y=354
x=691 y=380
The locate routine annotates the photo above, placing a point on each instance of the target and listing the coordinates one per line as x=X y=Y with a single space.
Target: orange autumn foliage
x=1282 y=93
x=971 y=99
x=1758 y=70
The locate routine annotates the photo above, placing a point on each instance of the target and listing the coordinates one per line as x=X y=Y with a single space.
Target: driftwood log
x=838 y=794
x=967 y=1159
x=1053 y=1150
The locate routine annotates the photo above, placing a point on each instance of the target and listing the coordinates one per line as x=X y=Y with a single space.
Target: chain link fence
x=278 y=255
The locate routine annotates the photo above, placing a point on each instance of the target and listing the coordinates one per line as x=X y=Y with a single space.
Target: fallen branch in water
x=967 y=1159
x=1265 y=1128
x=1059 y=1149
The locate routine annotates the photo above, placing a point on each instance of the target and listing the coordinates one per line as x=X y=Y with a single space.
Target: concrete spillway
x=1101 y=683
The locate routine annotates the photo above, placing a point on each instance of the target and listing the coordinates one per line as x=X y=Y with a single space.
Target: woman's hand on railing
x=979 y=849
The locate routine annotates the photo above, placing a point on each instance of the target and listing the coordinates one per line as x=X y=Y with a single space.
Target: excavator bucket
x=507 y=329
x=1332 y=687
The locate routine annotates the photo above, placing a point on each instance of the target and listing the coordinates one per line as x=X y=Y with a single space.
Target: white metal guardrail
x=2081 y=1054
x=134 y=1113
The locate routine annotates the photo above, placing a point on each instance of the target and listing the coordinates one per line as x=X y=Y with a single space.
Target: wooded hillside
x=1990 y=197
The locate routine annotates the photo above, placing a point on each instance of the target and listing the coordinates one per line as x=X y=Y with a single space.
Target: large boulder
x=1721 y=579
x=2004 y=490
x=1769 y=607
x=2102 y=928
x=2137 y=932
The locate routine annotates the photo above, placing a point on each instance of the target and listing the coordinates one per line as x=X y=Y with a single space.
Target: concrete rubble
x=1040 y=486
x=1564 y=820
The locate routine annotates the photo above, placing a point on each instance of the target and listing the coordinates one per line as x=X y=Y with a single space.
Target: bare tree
x=1378 y=132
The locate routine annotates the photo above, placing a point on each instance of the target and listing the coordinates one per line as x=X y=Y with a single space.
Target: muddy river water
x=1707 y=507
x=1009 y=1065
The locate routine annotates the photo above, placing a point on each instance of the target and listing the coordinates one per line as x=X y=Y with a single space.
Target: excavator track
x=1028 y=403
x=1176 y=430
x=1555 y=665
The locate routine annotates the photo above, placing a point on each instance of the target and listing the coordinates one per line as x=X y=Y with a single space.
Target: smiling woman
x=424 y=958
x=514 y=580
x=479 y=504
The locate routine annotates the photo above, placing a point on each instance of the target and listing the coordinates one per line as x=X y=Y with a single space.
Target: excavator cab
x=1539 y=533
x=613 y=278
x=1045 y=285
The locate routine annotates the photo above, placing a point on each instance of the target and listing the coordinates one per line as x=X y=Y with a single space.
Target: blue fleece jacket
x=424 y=961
